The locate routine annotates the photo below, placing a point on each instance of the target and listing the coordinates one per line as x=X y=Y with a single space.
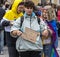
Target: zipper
x=30 y=21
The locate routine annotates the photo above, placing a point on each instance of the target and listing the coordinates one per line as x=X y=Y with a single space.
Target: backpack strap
x=22 y=19
x=38 y=19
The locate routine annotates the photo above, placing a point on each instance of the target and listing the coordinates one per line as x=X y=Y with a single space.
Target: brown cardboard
x=30 y=35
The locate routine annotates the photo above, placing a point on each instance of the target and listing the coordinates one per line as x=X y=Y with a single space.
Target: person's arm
x=5 y=22
x=45 y=31
x=16 y=33
x=15 y=29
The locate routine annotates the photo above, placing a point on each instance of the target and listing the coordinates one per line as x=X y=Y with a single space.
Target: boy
x=25 y=47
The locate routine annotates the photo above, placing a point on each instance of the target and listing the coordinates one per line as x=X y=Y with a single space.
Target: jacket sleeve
x=43 y=26
x=16 y=26
x=1 y=27
x=5 y=23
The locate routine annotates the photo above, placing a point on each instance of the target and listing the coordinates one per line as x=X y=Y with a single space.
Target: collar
x=32 y=15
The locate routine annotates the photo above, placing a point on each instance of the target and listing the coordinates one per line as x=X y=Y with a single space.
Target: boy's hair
x=29 y=4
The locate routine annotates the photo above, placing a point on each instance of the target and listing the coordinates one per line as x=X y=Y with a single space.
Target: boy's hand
x=17 y=33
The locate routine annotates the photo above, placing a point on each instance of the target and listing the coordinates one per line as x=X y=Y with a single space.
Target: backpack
x=22 y=19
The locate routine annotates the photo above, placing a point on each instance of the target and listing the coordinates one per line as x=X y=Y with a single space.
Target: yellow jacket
x=12 y=14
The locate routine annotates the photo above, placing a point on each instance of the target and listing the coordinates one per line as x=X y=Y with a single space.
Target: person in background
x=46 y=41
x=2 y=12
x=39 y=14
x=24 y=47
x=54 y=6
x=6 y=6
x=58 y=20
x=51 y=40
x=53 y=15
x=7 y=22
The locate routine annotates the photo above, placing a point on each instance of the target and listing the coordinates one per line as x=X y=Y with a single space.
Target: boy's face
x=29 y=10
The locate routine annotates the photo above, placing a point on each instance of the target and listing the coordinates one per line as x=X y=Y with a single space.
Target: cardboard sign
x=30 y=35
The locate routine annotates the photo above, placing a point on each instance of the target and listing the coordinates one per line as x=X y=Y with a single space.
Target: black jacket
x=2 y=12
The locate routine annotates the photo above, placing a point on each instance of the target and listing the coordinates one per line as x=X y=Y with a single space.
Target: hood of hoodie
x=32 y=15
x=15 y=4
x=12 y=14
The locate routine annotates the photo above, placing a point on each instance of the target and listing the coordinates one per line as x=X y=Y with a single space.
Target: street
x=5 y=52
x=7 y=55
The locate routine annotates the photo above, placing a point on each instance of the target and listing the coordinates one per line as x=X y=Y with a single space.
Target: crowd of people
x=15 y=18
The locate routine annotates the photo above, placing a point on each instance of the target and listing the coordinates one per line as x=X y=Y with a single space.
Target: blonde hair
x=51 y=13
